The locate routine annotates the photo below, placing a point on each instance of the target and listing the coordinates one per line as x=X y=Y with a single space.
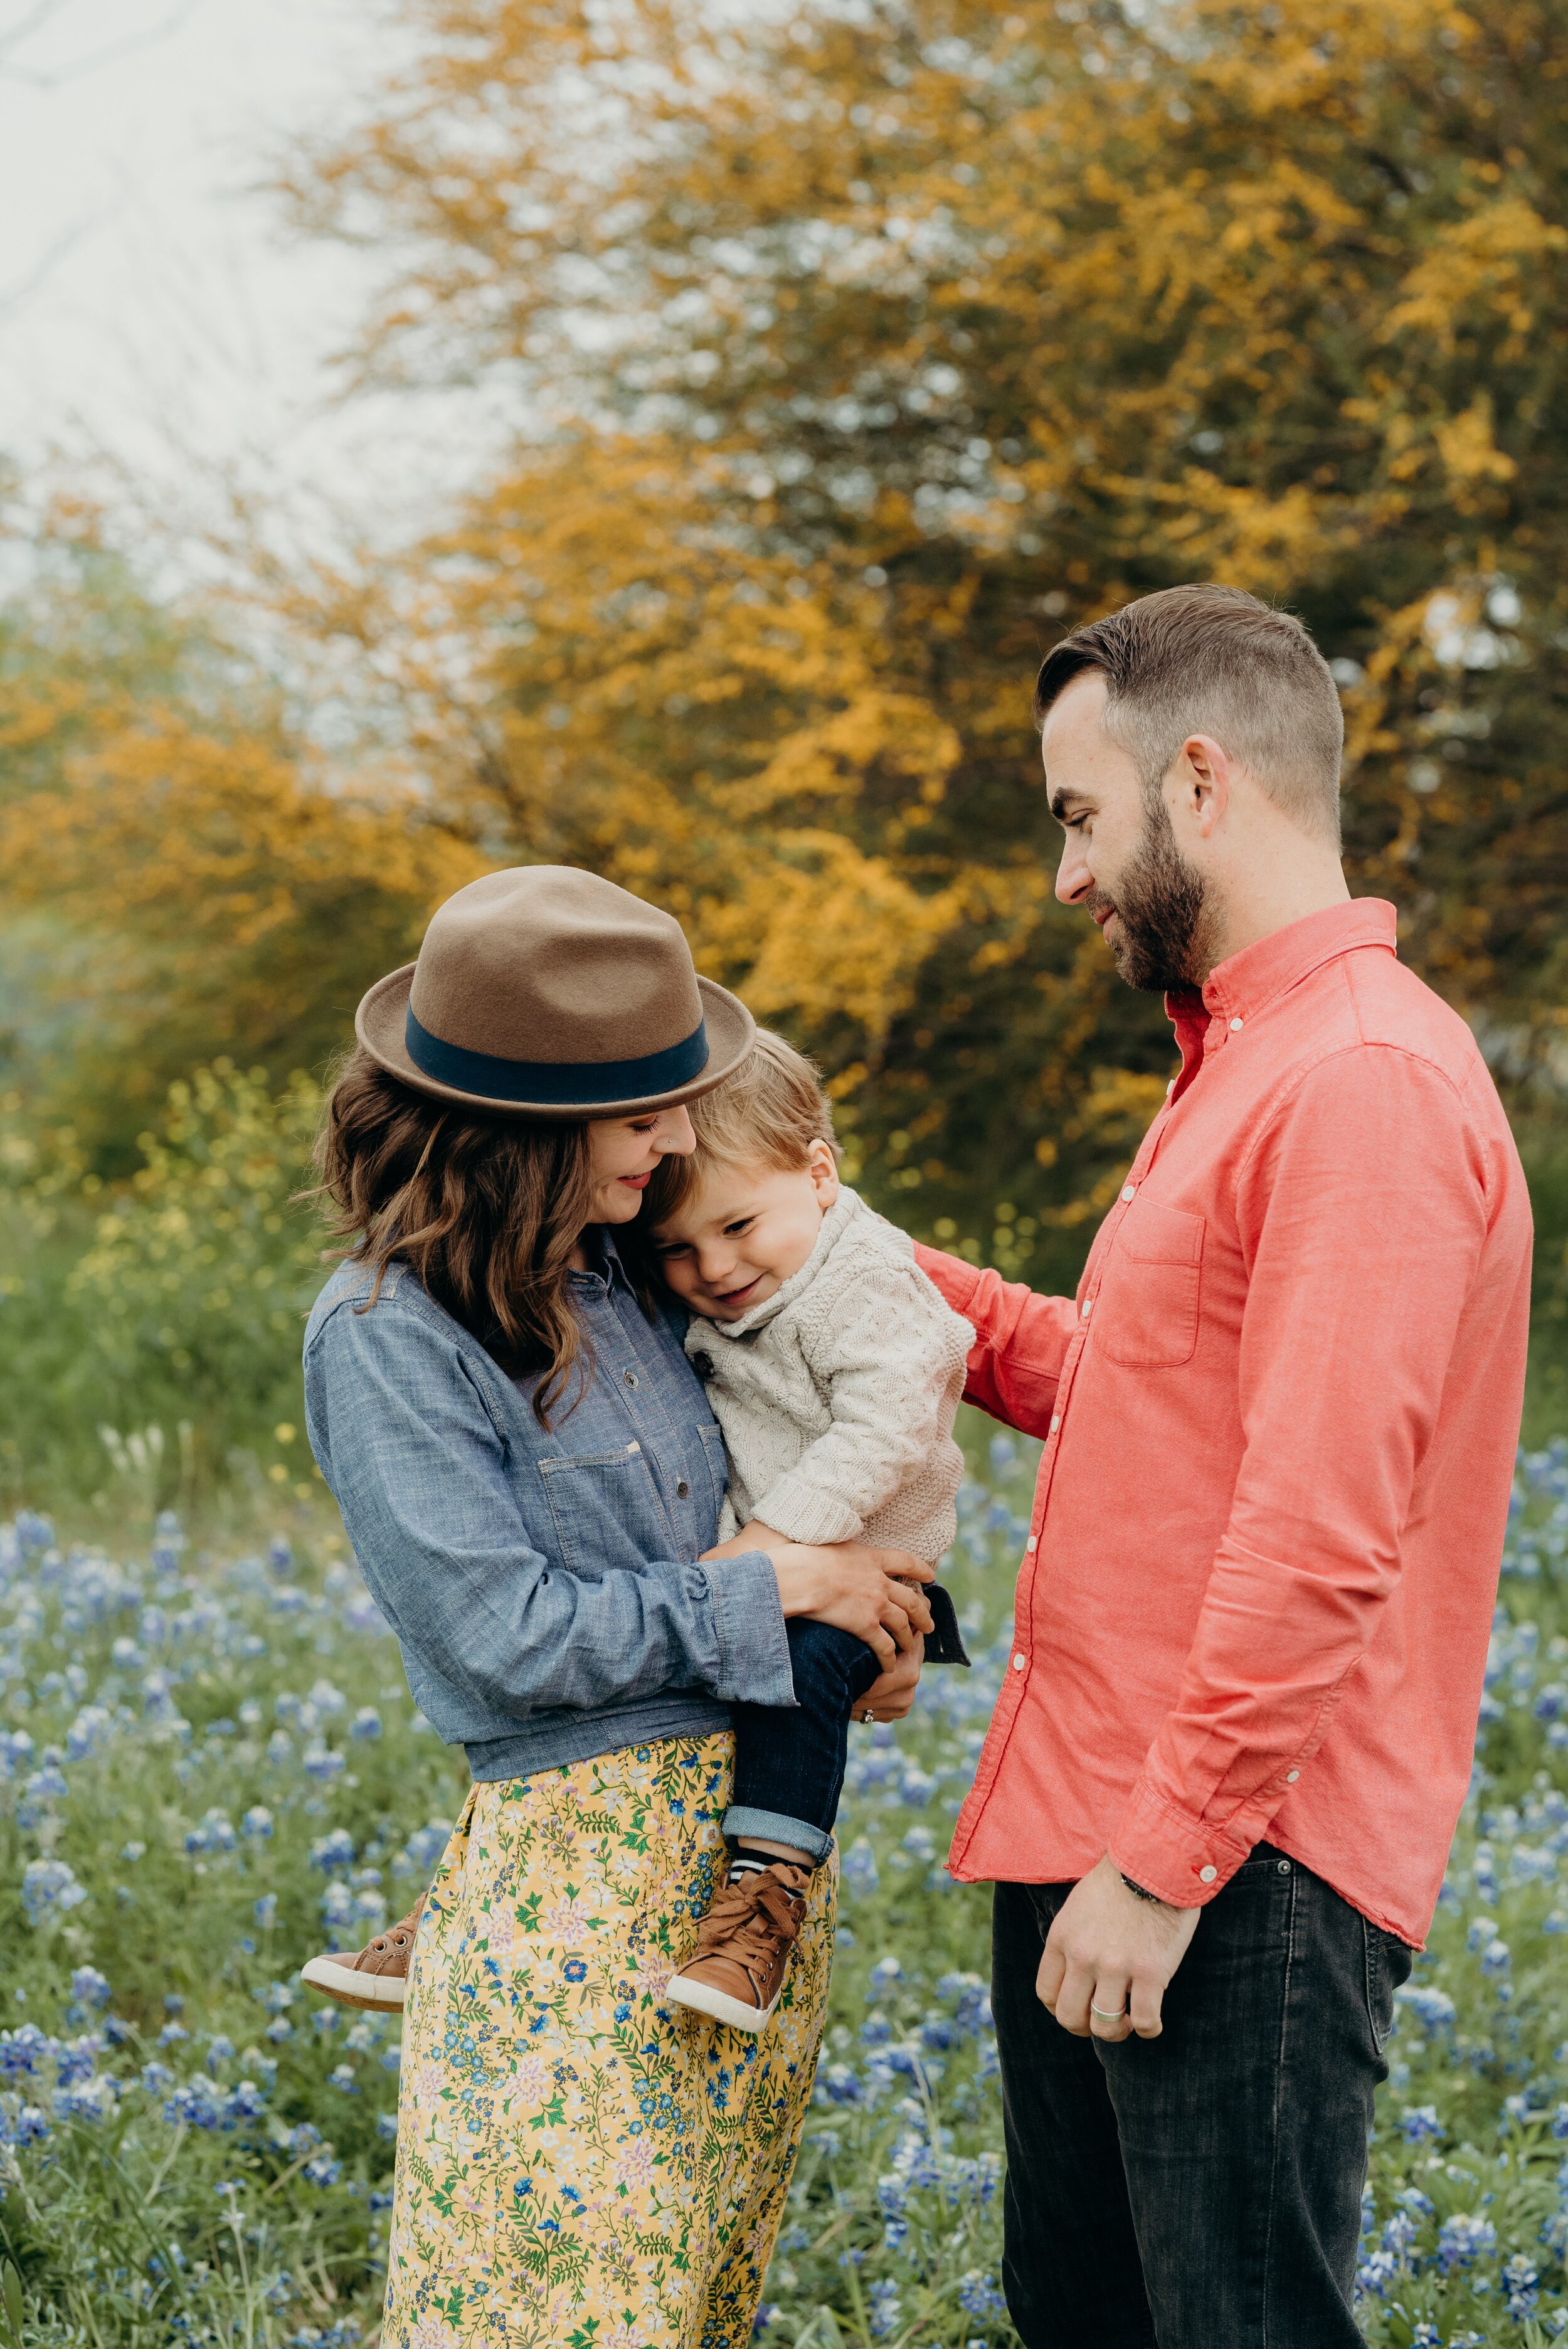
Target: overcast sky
x=151 y=306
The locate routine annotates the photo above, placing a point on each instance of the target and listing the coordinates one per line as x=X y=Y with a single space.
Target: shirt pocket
x=717 y=1464
x=1146 y=1314
x=606 y=1511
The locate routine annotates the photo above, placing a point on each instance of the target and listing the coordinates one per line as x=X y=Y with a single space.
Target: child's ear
x=824 y=1172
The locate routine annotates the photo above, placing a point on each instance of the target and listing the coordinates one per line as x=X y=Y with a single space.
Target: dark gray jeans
x=1203 y=2187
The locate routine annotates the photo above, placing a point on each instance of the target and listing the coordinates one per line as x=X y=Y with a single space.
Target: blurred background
x=665 y=438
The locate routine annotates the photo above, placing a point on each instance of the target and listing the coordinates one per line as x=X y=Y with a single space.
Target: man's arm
x=1020 y=1340
x=1363 y=1211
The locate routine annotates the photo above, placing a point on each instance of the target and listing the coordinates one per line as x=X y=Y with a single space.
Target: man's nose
x=1074 y=879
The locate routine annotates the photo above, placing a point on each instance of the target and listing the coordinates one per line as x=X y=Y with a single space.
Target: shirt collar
x=605 y=1271
x=1245 y=982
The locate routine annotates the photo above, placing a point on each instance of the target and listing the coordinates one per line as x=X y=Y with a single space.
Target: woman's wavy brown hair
x=485 y=1212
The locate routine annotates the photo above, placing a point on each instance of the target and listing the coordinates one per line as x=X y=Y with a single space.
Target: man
x=1279 y=1420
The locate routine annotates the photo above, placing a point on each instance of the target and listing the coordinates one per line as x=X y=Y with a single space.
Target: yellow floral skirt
x=580 y=2166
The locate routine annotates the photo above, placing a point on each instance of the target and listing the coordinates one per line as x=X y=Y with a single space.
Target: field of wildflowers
x=211 y=1765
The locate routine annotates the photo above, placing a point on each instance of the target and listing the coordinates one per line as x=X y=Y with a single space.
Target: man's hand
x=1110 y=1951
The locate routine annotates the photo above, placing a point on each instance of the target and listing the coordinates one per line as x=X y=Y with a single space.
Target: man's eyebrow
x=1068 y=795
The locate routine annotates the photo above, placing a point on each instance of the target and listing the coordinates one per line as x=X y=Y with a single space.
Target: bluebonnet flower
x=266 y=1911
x=978 y=2295
x=1519 y=2281
x=323 y=2170
x=333 y=1852
x=386 y=2125
x=50 y=1888
x=1463 y=2239
x=257 y=1823
x=366 y=1723
x=885 y=2312
x=858 y=1867
x=1421 y=2123
x=89 y=1987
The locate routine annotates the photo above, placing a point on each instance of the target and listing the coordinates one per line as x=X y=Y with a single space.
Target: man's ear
x=1205 y=770
x=824 y=1173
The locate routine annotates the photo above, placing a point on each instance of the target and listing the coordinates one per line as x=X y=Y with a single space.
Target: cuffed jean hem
x=772 y=1827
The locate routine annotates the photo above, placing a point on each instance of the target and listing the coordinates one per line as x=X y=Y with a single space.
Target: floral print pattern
x=580 y=2166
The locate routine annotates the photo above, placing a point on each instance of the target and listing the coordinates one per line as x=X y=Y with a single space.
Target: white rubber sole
x=378 y=1993
x=703 y=2000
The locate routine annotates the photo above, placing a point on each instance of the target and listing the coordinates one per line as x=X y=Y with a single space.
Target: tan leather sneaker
x=376 y=1977
x=743 y=1947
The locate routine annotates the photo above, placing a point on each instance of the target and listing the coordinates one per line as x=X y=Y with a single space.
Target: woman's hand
x=890 y=1698
x=873 y=1593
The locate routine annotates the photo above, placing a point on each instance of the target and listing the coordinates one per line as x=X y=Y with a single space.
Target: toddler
x=834 y=1369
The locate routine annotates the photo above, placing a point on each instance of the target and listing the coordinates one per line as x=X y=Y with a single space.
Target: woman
x=530 y=1475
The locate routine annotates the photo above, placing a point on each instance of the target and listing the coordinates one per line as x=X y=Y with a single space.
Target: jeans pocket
x=1389 y=1963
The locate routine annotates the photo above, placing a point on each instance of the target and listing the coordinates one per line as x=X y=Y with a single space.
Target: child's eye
x=741 y=1224
x=671 y=1247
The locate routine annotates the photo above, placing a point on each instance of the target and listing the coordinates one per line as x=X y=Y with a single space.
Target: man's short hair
x=1216 y=661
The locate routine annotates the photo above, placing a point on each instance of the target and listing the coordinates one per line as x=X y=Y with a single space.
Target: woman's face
x=623 y=1152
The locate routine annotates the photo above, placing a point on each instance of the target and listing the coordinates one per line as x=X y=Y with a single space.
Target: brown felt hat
x=548 y=992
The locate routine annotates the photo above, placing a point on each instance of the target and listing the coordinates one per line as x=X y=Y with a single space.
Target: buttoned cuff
x=1181 y=1859
x=753 y=1665
x=804 y=1512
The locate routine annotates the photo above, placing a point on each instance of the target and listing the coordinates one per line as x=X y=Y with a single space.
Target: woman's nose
x=674 y=1132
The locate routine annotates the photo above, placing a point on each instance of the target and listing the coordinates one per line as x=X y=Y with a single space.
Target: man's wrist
x=1142 y=1891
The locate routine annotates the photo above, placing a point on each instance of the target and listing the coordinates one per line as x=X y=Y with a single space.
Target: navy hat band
x=556 y=1084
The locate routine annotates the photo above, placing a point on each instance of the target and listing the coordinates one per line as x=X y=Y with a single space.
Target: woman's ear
x=824 y=1171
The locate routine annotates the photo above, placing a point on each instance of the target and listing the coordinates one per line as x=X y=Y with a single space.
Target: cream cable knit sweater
x=837 y=1395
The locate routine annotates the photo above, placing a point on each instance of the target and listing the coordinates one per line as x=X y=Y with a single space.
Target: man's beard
x=1162 y=911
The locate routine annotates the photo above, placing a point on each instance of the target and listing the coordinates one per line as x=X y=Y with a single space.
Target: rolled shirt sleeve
x=1356 y=1286
x=418 y=1466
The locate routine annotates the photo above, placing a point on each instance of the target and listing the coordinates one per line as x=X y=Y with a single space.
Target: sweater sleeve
x=890 y=1355
x=416 y=1466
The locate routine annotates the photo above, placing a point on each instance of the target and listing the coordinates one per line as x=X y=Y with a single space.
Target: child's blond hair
x=767 y=1113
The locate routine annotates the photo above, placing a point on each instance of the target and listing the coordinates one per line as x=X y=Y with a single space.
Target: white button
x=1291 y=1776
x=1169 y=1088
x=1129 y=1191
x=1056 y=1421
x=1033 y=1543
x=1019 y=1663
x=1207 y=1875
x=1235 y=1027
x=1088 y=1305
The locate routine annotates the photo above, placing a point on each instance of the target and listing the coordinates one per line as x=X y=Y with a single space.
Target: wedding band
x=1119 y=2016
x=868 y=1716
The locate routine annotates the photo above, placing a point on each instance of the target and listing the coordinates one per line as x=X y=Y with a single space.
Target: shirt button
x=1033 y=1543
x=1056 y=1421
x=1291 y=1776
x=1207 y=1875
x=1235 y=1027
x=1088 y=1305
x=1019 y=1663
x=682 y=1488
x=1127 y=1192
x=630 y=1377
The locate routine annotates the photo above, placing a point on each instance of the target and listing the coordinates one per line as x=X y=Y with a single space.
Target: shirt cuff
x=1182 y=1860
x=803 y=1512
x=748 y=1624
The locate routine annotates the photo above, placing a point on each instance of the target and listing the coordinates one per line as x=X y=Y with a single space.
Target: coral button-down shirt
x=1279 y=1420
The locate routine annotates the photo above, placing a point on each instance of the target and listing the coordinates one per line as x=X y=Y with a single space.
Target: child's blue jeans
x=790 y=1760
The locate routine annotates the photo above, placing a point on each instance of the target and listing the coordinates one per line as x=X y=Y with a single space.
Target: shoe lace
x=750 y=1920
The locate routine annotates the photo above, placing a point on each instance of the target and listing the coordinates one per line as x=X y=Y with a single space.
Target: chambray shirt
x=544 y=1587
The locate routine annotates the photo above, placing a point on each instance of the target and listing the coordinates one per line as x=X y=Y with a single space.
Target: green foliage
x=178 y=1297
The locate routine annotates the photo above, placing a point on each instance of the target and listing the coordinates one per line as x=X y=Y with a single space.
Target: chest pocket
x=1146 y=1315
x=717 y=1464
x=606 y=1510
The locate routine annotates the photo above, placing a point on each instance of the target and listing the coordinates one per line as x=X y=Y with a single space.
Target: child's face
x=744 y=1232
